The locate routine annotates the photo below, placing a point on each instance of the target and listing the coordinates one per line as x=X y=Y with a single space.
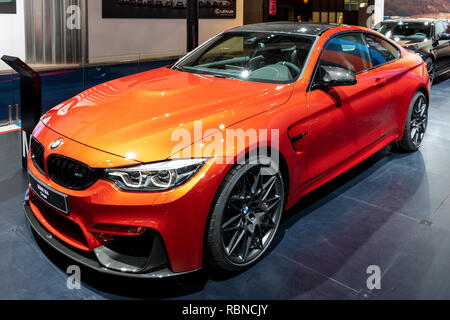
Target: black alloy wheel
x=246 y=217
x=416 y=124
x=419 y=121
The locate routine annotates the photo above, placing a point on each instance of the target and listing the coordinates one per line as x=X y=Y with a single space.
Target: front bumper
x=117 y=266
x=177 y=216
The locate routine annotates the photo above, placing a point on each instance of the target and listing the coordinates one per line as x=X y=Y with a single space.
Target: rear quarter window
x=347 y=51
x=381 y=51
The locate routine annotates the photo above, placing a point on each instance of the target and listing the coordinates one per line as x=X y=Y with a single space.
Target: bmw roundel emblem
x=56 y=144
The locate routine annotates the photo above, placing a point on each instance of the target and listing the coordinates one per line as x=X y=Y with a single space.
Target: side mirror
x=330 y=76
x=444 y=36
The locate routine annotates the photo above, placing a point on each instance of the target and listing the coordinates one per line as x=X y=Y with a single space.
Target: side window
x=440 y=28
x=381 y=51
x=347 y=51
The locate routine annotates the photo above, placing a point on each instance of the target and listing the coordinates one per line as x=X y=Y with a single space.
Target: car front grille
x=37 y=155
x=70 y=173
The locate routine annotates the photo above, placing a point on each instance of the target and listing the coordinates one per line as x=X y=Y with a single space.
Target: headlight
x=158 y=176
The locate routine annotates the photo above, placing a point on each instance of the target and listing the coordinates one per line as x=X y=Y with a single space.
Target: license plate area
x=52 y=197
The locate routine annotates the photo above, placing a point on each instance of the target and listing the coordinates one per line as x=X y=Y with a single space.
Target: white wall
x=12 y=34
x=123 y=39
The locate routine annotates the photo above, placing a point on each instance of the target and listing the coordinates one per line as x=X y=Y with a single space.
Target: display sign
x=8 y=6
x=167 y=9
x=48 y=195
x=273 y=7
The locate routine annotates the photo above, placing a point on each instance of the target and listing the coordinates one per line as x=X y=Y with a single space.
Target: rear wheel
x=245 y=217
x=416 y=124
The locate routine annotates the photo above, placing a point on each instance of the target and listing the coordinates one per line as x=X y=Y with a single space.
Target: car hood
x=136 y=117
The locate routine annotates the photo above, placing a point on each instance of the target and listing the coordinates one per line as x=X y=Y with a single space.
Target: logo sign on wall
x=167 y=9
x=273 y=7
x=8 y=6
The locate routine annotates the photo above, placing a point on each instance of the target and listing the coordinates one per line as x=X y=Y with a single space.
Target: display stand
x=192 y=24
x=30 y=100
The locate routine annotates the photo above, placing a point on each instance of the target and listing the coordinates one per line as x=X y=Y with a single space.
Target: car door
x=344 y=119
x=384 y=74
x=441 y=48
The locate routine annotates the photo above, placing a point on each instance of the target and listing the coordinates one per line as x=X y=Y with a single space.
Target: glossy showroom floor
x=392 y=211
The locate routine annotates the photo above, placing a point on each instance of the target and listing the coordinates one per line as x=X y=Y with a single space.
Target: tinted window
x=381 y=50
x=251 y=56
x=347 y=51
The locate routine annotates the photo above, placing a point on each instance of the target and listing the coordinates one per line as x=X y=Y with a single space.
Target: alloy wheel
x=419 y=121
x=252 y=215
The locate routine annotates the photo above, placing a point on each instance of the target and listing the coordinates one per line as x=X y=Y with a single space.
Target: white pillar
x=379 y=11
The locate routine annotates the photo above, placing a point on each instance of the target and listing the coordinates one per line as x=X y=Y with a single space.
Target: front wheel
x=416 y=124
x=245 y=217
x=430 y=67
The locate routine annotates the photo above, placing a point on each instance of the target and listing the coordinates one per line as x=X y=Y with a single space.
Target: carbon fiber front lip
x=84 y=260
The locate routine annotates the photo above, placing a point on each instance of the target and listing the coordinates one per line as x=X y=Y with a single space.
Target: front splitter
x=86 y=259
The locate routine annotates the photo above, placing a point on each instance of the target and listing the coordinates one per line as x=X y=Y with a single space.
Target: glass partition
x=57 y=48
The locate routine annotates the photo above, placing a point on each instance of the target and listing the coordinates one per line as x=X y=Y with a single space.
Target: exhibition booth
x=224 y=150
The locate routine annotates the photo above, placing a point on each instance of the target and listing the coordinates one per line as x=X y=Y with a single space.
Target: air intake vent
x=70 y=173
x=37 y=155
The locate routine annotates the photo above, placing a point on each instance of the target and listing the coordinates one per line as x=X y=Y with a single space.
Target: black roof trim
x=305 y=28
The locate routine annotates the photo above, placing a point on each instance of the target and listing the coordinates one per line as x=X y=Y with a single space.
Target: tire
x=255 y=221
x=416 y=124
x=431 y=68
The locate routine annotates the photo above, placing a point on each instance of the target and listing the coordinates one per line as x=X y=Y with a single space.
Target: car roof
x=412 y=20
x=305 y=28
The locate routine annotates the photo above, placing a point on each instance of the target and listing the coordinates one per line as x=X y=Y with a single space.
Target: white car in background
x=179 y=3
x=218 y=3
x=203 y=3
x=144 y=2
x=224 y=3
x=163 y=3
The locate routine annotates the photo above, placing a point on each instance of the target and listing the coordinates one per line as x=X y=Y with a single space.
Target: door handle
x=380 y=82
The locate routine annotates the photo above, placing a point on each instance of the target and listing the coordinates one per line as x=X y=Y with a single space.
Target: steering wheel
x=290 y=65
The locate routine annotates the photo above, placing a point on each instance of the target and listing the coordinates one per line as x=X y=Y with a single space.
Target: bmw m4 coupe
x=163 y=172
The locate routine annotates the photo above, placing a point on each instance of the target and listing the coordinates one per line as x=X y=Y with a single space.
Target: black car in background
x=430 y=38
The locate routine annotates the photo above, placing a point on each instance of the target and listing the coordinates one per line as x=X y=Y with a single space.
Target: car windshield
x=406 y=30
x=251 y=56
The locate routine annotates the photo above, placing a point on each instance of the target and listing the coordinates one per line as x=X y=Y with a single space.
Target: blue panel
x=60 y=85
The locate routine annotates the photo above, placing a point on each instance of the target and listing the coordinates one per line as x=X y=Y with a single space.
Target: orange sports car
x=159 y=173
